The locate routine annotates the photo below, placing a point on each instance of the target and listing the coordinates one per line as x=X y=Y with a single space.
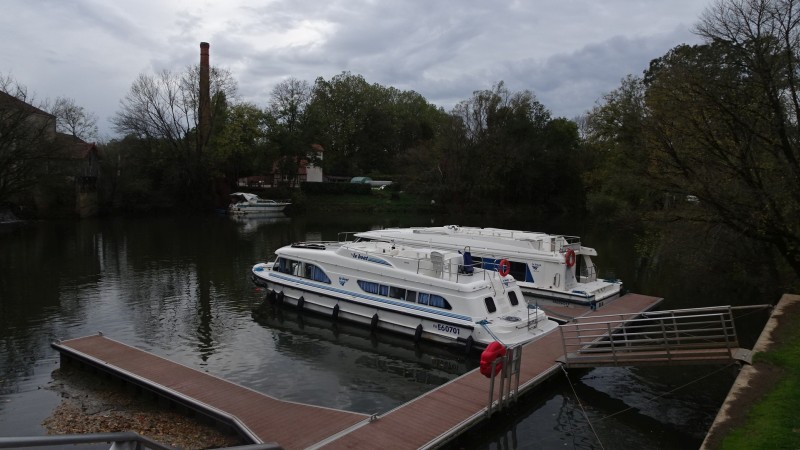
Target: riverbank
x=91 y=403
x=760 y=410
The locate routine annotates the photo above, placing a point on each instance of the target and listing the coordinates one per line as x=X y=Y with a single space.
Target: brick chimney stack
x=204 y=127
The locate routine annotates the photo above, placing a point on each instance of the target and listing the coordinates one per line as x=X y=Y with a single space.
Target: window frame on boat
x=490 y=306
x=517 y=269
x=301 y=269
x=422 y=298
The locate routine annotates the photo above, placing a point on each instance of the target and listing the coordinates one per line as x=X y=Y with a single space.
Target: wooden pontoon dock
x=428 y=421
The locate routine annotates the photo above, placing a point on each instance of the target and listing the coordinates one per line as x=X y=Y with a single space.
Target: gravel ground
x=93 y=403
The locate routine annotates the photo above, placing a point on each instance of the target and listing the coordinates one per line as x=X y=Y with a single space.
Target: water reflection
x=385 y=369
x=179 y=287
x=250 y=223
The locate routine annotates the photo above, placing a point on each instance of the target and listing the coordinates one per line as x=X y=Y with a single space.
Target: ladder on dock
x=683 y=336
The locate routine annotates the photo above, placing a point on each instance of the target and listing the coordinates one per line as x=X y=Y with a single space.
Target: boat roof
x=247 y=196
x=398 y=257
x=488 y=239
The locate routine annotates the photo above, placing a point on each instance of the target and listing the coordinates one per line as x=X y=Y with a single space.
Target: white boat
x=422 y=293
x=549 y=268
x=247 y=203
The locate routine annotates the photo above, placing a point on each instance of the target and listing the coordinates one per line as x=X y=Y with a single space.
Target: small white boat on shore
x=549 y=268
x=247 y=203
x=422 y=293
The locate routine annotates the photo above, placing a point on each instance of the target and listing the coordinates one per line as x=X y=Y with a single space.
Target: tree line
x=708 y=134
x=498 y=146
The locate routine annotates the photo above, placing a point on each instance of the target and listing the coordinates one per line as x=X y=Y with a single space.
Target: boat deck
x=427 y=421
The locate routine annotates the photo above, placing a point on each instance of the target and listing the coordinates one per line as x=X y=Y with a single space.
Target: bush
x=336 y=188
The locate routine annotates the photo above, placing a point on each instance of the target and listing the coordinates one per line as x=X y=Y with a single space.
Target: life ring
x=569 y=258
x=492 y=352
x=503 y=267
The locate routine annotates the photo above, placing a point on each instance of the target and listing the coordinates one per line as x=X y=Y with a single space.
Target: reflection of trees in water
x=573 y=424
x=44 y=270
x=313 y=337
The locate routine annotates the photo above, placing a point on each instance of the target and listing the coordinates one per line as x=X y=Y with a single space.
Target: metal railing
x=127 y=440
x=509 y=380
x=699 y=335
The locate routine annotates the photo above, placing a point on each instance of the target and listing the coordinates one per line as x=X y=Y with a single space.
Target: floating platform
x=435 y=417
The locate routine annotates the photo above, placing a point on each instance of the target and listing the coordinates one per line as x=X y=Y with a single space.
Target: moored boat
x=425 y=294
x=247 y=203
x=549 y=268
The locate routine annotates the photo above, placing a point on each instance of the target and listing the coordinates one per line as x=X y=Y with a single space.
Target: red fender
x=492 y=352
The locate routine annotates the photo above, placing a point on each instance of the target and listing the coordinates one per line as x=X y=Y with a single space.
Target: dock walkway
x=428 y=421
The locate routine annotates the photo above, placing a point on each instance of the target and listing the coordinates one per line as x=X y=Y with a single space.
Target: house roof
x=9 y=101
x=74 y=147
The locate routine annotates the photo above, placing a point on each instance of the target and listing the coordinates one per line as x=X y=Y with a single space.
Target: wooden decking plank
x=294 y=425
x=538 y=357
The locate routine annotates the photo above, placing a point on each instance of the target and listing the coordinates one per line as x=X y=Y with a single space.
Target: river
x=178 y=287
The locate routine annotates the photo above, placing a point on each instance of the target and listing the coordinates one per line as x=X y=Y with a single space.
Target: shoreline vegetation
x=761 y=406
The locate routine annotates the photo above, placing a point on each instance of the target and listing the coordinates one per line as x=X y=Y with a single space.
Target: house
x=62 y=177
x=308 y=169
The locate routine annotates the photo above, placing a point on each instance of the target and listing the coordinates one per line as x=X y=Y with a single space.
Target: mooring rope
x=583 y=410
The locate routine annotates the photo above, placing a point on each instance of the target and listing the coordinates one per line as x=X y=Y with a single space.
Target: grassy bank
x=382 y=201
x=770 y=419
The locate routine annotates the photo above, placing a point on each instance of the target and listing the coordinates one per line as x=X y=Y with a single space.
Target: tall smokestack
x=204 y=127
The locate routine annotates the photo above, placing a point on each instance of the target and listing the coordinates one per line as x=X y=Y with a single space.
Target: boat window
x=384 y=290
x=396 y=292
x=315 y=273
x=513 y=297
x=411 y=296
x=518 y=270
x=439 y=302
x=289 y=266
x=490 y=304
x=369 y=286
x=423 y=298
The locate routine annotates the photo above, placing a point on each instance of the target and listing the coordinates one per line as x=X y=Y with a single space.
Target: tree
x=519 y=150
x=289 y=137
x=239 y=147
x=74 y=120
x=723 y=123
x=162 y=110
x=616 y=146
x=26 y=140
x=365 y=128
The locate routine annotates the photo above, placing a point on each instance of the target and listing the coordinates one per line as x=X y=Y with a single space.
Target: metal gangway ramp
x=682 y=336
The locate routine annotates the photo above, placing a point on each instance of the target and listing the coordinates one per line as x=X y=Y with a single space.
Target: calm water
x=179 y=287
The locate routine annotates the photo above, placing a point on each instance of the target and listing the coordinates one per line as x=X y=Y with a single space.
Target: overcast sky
x=569 y=53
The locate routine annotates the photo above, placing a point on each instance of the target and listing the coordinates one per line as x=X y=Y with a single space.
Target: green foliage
x=336 y=188
x=616 y=180
x=715 y=122
x=239 y=146
x=773 y=423
x=365 y=128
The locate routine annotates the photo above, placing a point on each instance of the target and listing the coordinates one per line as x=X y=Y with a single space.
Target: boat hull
x=339 y=304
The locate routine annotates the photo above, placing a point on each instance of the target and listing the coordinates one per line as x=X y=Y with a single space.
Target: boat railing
x=451 y=269
x=563 y=243
x=316 y=245
x=347 y=236
x=588 y=274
